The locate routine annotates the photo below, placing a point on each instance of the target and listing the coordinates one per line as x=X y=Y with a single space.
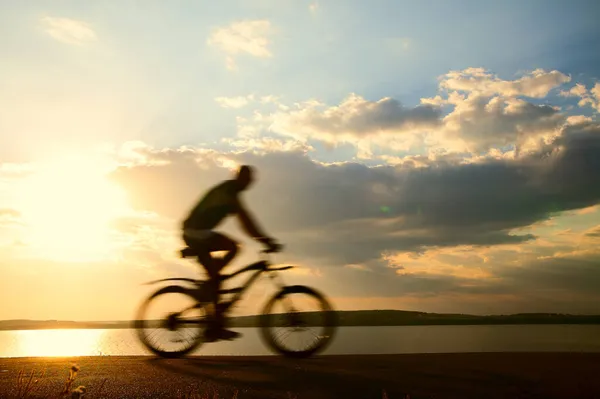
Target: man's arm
x=249 y=224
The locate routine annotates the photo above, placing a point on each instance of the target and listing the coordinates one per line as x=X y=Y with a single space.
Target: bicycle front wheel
x=170 y=322
x=298 y=322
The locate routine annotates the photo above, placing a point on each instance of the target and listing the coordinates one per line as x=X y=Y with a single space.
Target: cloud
x=589 y=210
x=355 y=120
x=69 y=31
x=596 y=93
x=536 y=84
x=355 y=116
x=475 y=113
x=350 y=213
x=571 y=273
x=268 y=144
x=243 y=37
x=554 y=273
x=593 y=232
x=474 y=222
x=234 y=102
x=481 y=123
x=586 y=97
x=489 y=112
x=462 y=262
x=578 y=90
x=313 y=7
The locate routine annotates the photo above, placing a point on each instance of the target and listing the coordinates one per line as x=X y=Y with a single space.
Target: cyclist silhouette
x=198 y=233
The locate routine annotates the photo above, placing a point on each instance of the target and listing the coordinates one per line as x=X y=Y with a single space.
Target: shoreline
x=113 y=327
x=431 y=375
x=345 y=318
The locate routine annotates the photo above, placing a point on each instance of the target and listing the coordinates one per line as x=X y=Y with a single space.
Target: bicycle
x=198 y=296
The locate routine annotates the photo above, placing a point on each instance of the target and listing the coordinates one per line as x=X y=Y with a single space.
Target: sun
x=68 y=206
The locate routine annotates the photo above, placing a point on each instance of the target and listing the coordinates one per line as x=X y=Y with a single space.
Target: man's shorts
x=197 y=235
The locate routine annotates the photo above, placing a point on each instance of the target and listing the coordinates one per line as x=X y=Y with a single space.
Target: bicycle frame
x=260 y=267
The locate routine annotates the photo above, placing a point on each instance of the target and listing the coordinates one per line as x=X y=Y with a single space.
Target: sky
x=433 y=156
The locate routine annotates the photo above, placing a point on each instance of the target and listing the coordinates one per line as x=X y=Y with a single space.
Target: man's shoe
x=212 y=335
x=229 y=334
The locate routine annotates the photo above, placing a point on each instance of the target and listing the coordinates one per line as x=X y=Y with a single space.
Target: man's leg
x=217 y=242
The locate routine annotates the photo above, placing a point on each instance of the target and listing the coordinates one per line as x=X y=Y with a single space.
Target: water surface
x=349 y=340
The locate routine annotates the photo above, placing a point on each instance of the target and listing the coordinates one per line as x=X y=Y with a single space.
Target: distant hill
x=56 y=324
x=410 y=318
x=345 y=318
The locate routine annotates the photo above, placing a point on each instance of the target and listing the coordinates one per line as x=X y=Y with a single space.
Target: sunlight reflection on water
x=58 y=342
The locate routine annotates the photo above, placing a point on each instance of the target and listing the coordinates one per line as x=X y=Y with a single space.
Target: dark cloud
x=576 y=273
x=566 y=283
x=594 y=232
x=350 y=212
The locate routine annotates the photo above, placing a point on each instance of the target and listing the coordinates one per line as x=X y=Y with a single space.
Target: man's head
x=245 y=176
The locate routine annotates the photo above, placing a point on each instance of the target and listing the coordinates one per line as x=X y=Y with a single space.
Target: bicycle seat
x=188 y=252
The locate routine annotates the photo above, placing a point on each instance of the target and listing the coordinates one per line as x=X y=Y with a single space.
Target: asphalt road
x=476 y=375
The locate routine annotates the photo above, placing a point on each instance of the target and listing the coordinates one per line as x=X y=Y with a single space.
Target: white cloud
x=355 y=120
x=596 y=91
x=578 y=119
x=234 y=102
x=263 y=145
x=591 y=97
x=68 y=30
x=488 y=114
x=484 y=117
x=537 y=83
x=357 y=116
x=313 y=7
x=243 y=37
x=578 y=90
x=479 y=123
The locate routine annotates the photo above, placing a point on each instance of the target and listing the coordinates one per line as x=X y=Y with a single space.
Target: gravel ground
x=465 y=375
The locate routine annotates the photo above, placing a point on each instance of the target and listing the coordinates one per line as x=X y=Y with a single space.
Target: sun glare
x=68 y=206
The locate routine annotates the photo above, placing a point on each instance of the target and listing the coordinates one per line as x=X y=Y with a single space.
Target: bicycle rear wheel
x=298 y=315
x=170 y=322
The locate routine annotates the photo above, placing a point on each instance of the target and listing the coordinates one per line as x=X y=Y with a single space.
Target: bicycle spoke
x=286 y=332
x=153 y=333
x=297 y=324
